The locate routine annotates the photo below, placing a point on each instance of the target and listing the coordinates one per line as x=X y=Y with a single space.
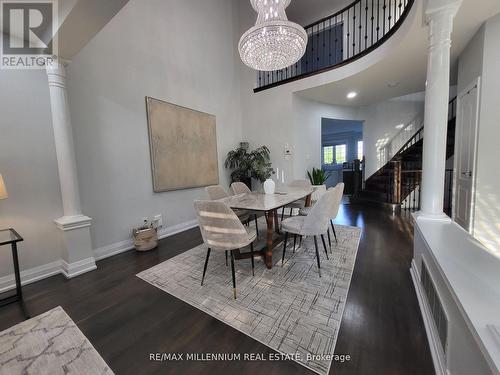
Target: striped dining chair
x=222 y=230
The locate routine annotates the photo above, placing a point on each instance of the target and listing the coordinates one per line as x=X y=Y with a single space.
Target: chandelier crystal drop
x=274 y=43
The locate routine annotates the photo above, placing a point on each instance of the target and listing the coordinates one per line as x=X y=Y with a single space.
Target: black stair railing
x=341 y=38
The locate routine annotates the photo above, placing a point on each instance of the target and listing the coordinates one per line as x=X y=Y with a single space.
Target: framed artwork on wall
x=183 y=146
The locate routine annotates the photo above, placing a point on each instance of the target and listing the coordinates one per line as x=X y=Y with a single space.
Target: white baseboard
x=113 y=249
x=30 y=275
x=123 y=246
x=74 y=269
x=432 y=335
x=70 y=270
x=178 y=228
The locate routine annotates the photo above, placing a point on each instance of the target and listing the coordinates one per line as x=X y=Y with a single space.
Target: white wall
x=268 y=117
x=268 y=114
x=380 y=121
x=29 y=167
x=487 y=208
x=307 y=130
x=316 y=10
x=278 y=117
x=470 y=62
x=166 y=50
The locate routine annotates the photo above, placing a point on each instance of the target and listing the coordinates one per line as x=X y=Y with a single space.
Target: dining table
x=268 y=204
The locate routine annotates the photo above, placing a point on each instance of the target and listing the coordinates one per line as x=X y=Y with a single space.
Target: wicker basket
x=145 y=238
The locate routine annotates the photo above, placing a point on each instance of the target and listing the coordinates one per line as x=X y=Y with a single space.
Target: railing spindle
x=383 y=29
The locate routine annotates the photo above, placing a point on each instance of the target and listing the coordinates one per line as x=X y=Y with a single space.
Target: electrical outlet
x=145 y=220
x=158 y=221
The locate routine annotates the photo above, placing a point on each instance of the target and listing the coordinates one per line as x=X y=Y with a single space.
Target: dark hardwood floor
x=126 y=319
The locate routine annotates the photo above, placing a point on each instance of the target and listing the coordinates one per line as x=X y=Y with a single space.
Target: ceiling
x=78 y=21
x=403 y=70
x=82 y=22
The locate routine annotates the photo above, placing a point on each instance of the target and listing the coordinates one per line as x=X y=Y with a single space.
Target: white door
x=465 y=156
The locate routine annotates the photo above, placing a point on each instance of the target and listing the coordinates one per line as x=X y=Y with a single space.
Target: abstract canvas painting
x=183 y=146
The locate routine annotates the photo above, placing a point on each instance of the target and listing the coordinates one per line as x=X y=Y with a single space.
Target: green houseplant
x=318 y=176
x=247 y=164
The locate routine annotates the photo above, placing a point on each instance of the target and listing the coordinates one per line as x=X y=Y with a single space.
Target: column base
x=77 y=255
x=70 y=270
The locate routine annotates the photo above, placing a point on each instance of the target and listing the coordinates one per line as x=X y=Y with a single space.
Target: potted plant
x=318 y=179
x=247 y=165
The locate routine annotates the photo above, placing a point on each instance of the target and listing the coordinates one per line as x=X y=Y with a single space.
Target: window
x=340 y=154
x=360 y=150
x=335 y=154
x=328 y=155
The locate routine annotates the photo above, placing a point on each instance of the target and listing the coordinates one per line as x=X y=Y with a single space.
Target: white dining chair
x=315 y=224
x=241 y=188
x=222 y=230
x=336 y=206
x=339 y=192
x=301 y=203
x=216 y=192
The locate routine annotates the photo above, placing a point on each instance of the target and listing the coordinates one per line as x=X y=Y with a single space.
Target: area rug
x=50 y=343
x=288 y=308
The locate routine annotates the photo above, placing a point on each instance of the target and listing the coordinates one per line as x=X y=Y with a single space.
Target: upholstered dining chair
x=301 y=203
x=241 y=188
x=339 y=192
x=315 y=224
x=336 y=206
x=216 y=192
x=222 y=230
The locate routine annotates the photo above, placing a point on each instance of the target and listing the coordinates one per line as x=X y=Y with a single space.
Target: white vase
x=269 y=186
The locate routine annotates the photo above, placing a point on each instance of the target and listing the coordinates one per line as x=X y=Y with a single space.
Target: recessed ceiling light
x=400 y=126
x=352 y=95
x=392 y=84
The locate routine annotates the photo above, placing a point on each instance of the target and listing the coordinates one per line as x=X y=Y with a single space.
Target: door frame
x=476 y=83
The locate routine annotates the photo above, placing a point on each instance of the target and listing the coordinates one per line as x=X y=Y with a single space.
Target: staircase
x=397 y=184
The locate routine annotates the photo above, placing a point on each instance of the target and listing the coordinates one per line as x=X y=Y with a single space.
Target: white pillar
x=439 y=16
x=78 y=255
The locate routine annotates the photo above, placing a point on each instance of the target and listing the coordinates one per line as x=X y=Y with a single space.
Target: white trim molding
x=70 y=270
x=30 y=275
x=73 y=222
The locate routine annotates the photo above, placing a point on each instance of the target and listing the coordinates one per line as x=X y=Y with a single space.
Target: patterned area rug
x=50 y=343
x=290 y=308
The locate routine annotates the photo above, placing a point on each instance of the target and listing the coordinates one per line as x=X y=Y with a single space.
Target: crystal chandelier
x=274 y=42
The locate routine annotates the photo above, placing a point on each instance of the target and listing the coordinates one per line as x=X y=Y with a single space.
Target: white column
x=439 y=16
x=78 y=255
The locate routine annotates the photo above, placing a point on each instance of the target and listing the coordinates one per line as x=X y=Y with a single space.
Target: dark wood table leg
x=270 y=218
x=308 y=200
x=19 y=291
x=276 y=221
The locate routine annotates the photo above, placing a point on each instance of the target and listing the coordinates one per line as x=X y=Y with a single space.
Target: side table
x=10 y=236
